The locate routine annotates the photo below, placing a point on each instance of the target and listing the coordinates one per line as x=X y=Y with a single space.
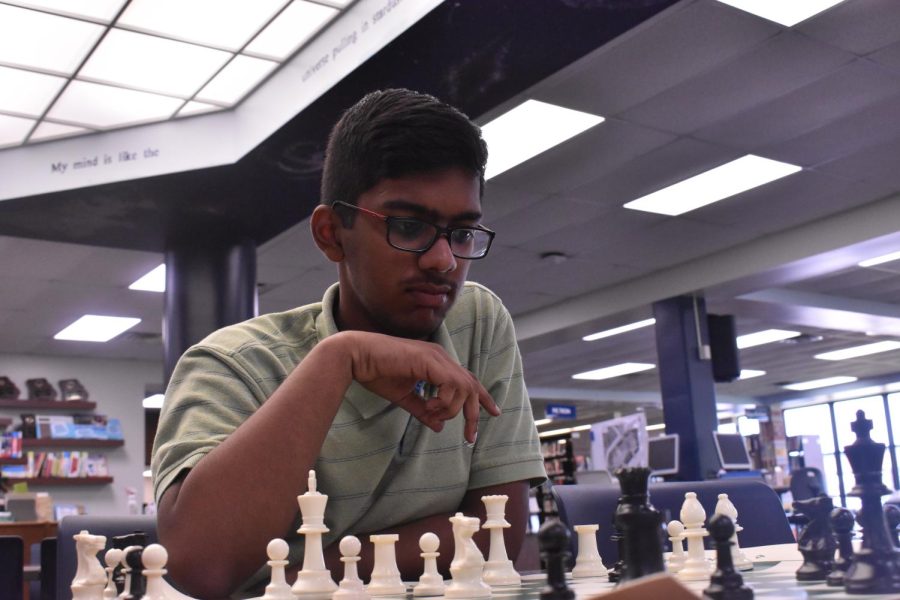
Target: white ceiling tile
x=24 y=34
x=14 y=129
x=197 y=108
x=291 y=29
x=26 y=92
x=103 y=106
x=542 y=218
x=858 y=26
x=876 y=164
x=48 y=130
x=223 y=24
x=103 y=11
x=236 y=80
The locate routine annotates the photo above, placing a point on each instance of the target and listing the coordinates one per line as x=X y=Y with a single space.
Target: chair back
x=12 y=561
x=759 y=509
x=66 y=555
x=807 y=482
x=599 y=477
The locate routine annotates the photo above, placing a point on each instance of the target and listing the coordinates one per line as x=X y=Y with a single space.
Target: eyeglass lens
x=415 y=235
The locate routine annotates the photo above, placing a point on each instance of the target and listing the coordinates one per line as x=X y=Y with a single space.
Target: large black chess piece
x=816 y=540
x=726 y=582
x=842 y=524
x=875 y=569
x=136 y=578
x=121 y=542
x=640 y=524
x=553 y=541
x=615 y=572
x=892 y=514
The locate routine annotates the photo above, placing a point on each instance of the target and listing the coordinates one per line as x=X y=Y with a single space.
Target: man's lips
x=430 y=296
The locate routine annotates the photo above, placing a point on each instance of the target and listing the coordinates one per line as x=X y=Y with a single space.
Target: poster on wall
x=620 y=442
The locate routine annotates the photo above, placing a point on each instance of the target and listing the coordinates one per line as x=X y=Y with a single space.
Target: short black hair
x=395 y=133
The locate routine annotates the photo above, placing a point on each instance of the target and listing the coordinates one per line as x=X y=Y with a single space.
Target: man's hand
x=391 y=366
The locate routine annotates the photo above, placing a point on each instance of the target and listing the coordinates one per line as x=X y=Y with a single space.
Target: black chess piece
x=892 y=514
x=121 y=542
x=816 y=540
x=133 y=557
x=553 y=541
x=875 y=568
x=640 y=524
x=842 y=524
x=615 y=572
x=726 y=583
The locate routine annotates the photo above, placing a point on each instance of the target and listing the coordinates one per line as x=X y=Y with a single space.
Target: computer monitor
x=662 y=454
x=732 y=451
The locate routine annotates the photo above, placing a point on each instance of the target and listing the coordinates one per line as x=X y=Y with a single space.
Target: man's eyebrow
x=427 y=213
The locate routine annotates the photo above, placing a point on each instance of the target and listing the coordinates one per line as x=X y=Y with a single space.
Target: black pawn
x=725 y=583
x=892 y=514
x=133 y=560
x=120 y=542
x=842 y=524
x=553 y=541
x=816 y=540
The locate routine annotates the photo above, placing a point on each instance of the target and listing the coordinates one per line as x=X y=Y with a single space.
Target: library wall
x=117 y=386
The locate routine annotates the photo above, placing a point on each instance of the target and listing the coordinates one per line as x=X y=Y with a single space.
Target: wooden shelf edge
x=13 y=461
x=48 y=404
x=62 y=480
x=70 y=443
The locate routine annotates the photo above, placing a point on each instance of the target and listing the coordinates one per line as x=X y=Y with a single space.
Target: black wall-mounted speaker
x=726 y=364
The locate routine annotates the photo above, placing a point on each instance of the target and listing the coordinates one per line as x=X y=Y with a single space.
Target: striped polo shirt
x=379 y=466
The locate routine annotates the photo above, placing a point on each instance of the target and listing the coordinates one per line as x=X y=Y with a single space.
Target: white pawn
x=498 y=570
x=278 y=588
x=430 y=583
x=588 y=562
x=112 y=558
x=676 y=537
x=693 y=516
x=351 y=586
x=725 y=507
x=154 y=559
x=386 y=580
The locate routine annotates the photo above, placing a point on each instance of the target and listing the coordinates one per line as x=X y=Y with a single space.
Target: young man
x=338 y=386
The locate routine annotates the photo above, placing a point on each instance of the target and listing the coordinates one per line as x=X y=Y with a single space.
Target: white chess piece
x=498 y=570
x=588 y=562
x=693 y=516
x=676 y=537
x=112 y=558
x=90 y=576
x=278 y=589
x=430 y=583
x=726 y=507
x=468 y=562
x=154 y=558
x=386 y=580
x=313 y=579
x=351 y=586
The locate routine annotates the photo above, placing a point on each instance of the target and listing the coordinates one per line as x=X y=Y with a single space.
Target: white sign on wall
x=620 y=442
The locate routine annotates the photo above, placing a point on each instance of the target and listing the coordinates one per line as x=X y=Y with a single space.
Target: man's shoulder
x=474 y=298
x=293 y=328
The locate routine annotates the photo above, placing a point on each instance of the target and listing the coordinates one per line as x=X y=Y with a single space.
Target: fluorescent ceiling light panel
x=724 y=181
x=96 y=328
x=236 y=80
x=153 y=281
x=14 y=129
x=766 y=336
x=786 y=12
x=613 y=371
x=856 y=351
x=48 y=131
x=617 y=330
x=46 y=42
x=227 y=25
x=528 y=130
x=197 y=108
x=152 y=63
x=103 y=106
x=818 y=383
x=26 y=92
x=871 y=262
x=103 y=11
x=291 y=29
x=540 y=422
x=750 y=373
x=656 y=427
x=154 y=401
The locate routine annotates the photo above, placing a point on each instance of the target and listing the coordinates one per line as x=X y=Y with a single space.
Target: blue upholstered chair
x=759 y=509
x=12 y=560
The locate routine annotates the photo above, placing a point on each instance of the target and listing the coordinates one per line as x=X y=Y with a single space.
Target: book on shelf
x=78 y=427
x=11 y=444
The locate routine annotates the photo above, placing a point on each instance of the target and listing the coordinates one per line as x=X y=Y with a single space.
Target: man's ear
x=326 y=231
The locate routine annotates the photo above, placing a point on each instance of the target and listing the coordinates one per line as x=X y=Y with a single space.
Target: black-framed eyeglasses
x=413 y=235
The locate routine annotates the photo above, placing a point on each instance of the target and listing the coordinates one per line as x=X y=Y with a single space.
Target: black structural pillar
x=686 y=382
x=210 y=283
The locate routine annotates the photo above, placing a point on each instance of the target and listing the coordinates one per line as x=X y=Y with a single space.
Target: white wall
x=117 y=386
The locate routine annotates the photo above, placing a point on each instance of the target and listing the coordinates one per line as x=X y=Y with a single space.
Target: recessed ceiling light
x=96 y=328
x=291 y=29
x=42 y=41
x=750 y=373
x=154 y=401
x=855 y=351
x=613 y=371
x=818 y=383
x=152 y=281
x=656 y=427
x=236 y=80
x=529 y=129
x=871 y=262
x=786 y=12
x=104 y=106
x=617 y=330
x=14 y=129
x=48 y=130
x=26 y=92
x=563 y=431
x=766 y=336
x=102 y=11
x=540 y=422
x=722 y=182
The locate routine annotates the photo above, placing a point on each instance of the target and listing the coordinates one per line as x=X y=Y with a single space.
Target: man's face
x=404 y=293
